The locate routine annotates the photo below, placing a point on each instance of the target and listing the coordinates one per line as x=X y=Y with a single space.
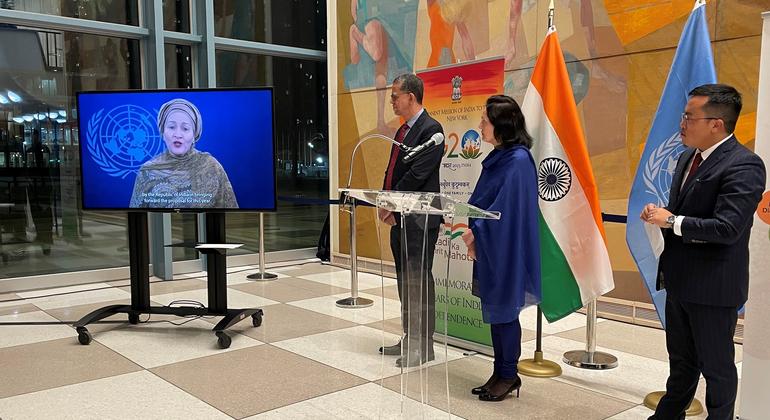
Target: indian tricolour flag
x=575 y=263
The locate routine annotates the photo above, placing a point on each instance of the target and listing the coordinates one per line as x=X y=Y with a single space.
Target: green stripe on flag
x=561 y=295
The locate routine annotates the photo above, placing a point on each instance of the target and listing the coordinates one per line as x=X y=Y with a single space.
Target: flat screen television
x=189 y=150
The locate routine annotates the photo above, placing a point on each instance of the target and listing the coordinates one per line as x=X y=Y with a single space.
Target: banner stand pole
x=262 y=275
x=590 y=358
x=538 y=367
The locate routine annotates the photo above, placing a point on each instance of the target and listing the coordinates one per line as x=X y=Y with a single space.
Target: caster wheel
x=256 y=319
x=133 y=319
x=84 y=337
x=223 y=340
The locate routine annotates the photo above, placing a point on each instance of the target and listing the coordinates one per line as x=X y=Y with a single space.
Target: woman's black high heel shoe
x=483 y=389
x=507 y=385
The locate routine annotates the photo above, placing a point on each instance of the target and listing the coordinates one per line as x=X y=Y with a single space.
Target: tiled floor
x=308 y=360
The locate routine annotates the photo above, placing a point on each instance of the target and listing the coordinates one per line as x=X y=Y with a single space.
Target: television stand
x=139 y=256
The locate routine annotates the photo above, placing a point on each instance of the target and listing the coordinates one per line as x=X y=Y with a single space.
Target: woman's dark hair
x=506 y=117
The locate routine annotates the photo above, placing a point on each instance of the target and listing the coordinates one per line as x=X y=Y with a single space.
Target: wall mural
x=618 y=53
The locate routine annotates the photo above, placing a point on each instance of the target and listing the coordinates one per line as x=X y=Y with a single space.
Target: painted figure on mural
x=382 y=39
x=446 y=16
x=514 y=18
x=613 y=82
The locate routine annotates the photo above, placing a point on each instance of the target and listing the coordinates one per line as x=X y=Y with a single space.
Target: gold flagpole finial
x=550 y=14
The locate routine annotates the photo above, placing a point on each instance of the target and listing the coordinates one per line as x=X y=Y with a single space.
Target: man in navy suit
x=413 y=244
x=704 y=267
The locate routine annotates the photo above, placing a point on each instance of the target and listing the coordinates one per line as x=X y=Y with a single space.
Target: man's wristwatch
x=670 y=221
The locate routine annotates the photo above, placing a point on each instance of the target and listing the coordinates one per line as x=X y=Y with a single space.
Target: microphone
x=404 y=149
x=435 y=140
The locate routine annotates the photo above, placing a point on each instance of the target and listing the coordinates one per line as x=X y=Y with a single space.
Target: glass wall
x=302 y=149
x=176 y=15
x=113 y=11
x=296 y=23
x=43 y=228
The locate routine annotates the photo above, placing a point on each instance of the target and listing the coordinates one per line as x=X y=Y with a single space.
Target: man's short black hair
x=506 y=117
x=410 y=83
x=724 y=102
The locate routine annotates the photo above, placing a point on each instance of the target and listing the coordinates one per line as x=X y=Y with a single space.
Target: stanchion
x=262 y=275
x=590 y=358
x=538 y=367
x=653 y=398
x=354 y=301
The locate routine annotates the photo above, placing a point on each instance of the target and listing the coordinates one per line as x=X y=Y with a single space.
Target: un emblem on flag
x=660 y=166
x=123 y=138
x=554 y=179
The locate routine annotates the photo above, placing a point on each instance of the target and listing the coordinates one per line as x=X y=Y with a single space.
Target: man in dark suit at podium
x=412 y=256
x=704 y=267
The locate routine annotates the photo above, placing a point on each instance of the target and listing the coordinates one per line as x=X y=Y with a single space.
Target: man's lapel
x=676 y=181
x=709 y=164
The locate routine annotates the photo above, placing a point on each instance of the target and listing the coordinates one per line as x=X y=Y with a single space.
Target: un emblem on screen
x=554 y=179
x=660 y=166
x=123 y=138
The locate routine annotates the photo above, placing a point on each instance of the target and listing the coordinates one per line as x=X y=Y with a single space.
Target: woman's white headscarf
x=183 y=106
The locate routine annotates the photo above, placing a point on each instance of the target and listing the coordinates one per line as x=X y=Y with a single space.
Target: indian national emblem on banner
x=554 y=179
x=659 y=168
x=123 y=138
x=457 y=83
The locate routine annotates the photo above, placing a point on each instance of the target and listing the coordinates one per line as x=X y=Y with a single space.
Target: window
x=296 y=23
x=40 y=173
x=302 y=148
x=176 y=15
x=113 y=11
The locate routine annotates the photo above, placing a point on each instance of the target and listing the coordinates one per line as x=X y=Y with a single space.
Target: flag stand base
x=653 y=398
x=539 y=368
x=596 y=360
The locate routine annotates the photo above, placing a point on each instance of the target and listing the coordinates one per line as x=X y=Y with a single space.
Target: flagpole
x=550 y=14
x=538 y=367
x=590 y=358
x=708 y=75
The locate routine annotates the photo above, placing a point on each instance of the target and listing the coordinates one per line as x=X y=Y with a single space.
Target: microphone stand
x=349 y=204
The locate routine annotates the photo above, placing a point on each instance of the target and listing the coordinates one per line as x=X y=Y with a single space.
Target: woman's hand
x=386 y=217
x=470 y=242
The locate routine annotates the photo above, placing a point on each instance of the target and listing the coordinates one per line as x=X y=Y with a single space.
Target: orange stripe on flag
x=551 y=80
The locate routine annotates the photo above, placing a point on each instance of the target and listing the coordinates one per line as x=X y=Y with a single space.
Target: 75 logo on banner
x=469 y=145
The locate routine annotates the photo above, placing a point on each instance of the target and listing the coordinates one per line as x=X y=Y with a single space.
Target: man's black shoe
x=394 y=350
x=413 y=359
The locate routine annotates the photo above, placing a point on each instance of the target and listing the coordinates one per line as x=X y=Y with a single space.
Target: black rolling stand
x=139 y=255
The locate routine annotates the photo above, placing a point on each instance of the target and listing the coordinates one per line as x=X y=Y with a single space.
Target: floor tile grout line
x=191 y=395
x=308 y=399
x=600 y=393
x=74 y=383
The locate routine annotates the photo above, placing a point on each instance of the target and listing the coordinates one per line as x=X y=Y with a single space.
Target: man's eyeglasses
x=394 y=96
x=686 y=118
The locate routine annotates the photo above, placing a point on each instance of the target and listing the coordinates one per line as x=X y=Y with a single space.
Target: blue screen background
x=237 y=131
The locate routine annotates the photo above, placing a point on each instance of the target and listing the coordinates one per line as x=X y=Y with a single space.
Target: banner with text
x=455 y=96
x=756 y=329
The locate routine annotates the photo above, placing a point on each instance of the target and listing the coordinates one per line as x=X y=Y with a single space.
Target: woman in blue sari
x=506 y=252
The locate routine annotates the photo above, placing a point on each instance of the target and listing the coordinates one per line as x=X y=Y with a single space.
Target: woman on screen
x=182 y=177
